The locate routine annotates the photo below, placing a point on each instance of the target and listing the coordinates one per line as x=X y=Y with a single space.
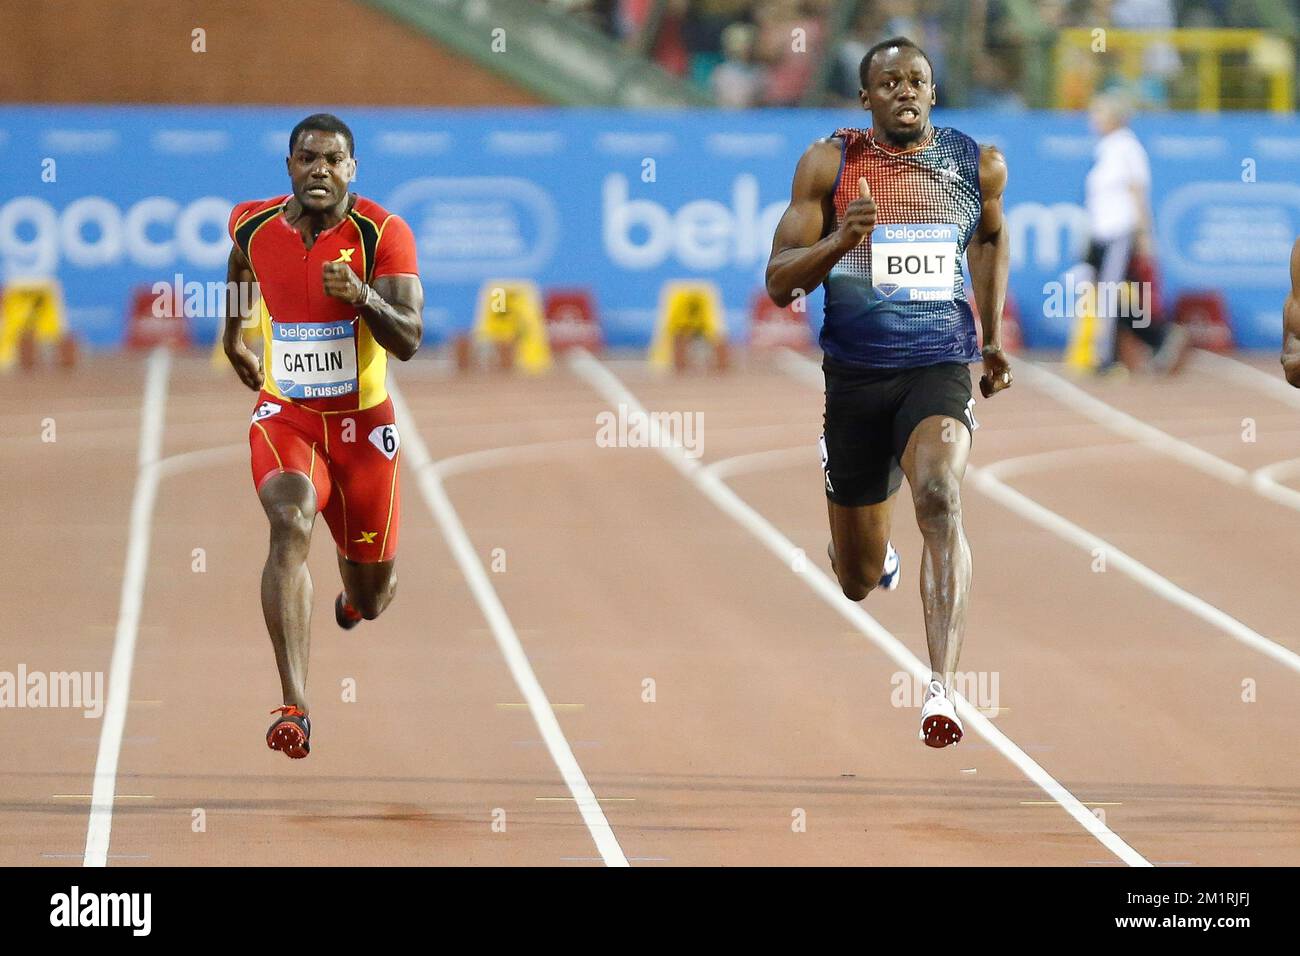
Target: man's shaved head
x=864 y=68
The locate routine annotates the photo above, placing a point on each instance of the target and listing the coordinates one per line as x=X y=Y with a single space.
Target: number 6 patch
x=384 y=437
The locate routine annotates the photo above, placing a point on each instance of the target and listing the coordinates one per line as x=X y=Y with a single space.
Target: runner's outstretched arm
x=989 y=259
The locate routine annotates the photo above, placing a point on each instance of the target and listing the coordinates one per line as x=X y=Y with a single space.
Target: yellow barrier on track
x=30 y=306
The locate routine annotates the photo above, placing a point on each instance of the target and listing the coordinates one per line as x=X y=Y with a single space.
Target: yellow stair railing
x=1260 y=65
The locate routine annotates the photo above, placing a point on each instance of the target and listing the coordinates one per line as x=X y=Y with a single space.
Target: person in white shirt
x=1117 y=199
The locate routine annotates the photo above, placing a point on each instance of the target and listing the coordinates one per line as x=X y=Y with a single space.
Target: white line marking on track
x=1122 y=423
x=763 y=460
x=1044 y=460
x=153 y=410
x=1265 y=481
x=801 y=367
x=509 y=455
x=201 y=458
x=987 y=480
x=1262 y=480
x=1248 y=375
x=429 y=475
x=614 y=391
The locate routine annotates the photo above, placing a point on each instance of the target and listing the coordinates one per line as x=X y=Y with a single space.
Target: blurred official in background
x=1121 y=242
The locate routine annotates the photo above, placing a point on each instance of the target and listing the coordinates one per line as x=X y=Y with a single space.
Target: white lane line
x=1125 y=424
x=1265 y=481
x=614 y=391
x=1122 y=423
x=987 y=480
x=763 y=460
x=1274 y=386
x=509 y=455
x=99 y=825
x=429 y=475
x=801 y=367
x=1042 y=460
x=201 y=458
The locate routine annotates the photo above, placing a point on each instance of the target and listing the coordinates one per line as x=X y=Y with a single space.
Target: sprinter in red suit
x=340 y=290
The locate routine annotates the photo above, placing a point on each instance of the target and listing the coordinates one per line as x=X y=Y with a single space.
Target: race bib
x=386 y=439
x=314 y=359
x=914 y=261
x=265 y=410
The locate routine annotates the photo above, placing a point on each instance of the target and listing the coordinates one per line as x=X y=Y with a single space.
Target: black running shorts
x=870 y=415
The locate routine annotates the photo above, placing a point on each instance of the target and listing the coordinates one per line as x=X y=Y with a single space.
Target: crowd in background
x=746 y=52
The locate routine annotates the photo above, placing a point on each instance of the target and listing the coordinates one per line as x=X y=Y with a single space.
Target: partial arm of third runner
x=1291 y=322
x=989 y=259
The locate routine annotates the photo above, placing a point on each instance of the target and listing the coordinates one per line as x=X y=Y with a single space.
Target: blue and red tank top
x=898 y=299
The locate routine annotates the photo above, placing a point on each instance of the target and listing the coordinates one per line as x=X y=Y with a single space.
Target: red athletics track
x=619 y=569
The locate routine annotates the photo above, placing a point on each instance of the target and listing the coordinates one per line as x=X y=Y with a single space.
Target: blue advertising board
x=108 y=199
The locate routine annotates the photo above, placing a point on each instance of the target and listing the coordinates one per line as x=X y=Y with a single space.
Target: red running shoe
x=291 y=733
x=345 y=614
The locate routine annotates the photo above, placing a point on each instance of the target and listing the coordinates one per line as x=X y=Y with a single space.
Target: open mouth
x=909 y=114
x=319 y=192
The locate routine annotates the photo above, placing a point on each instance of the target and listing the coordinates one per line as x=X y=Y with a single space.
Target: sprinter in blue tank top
x=881 y=217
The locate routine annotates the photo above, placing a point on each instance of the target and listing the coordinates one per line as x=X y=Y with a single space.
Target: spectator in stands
x=789 y=43
x=737 y=82
x=1160 y=59
x=703 y=31
x=994 y=86
x=669 y=46
x=845 y=79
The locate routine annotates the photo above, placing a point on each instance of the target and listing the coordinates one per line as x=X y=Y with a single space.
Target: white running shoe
x=940 y=725
x=891 y=574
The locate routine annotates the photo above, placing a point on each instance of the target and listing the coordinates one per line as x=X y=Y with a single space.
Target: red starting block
x=571 y=320
x=774 y=327
x=1205 y=315
x=154 y=320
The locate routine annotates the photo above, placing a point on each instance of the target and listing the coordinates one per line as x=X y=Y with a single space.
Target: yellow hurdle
x=509 y=314
x=1081 y=351
x=686 y=310
x=32 y=306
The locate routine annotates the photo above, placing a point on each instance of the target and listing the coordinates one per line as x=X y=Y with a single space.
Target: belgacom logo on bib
x=918 y=260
